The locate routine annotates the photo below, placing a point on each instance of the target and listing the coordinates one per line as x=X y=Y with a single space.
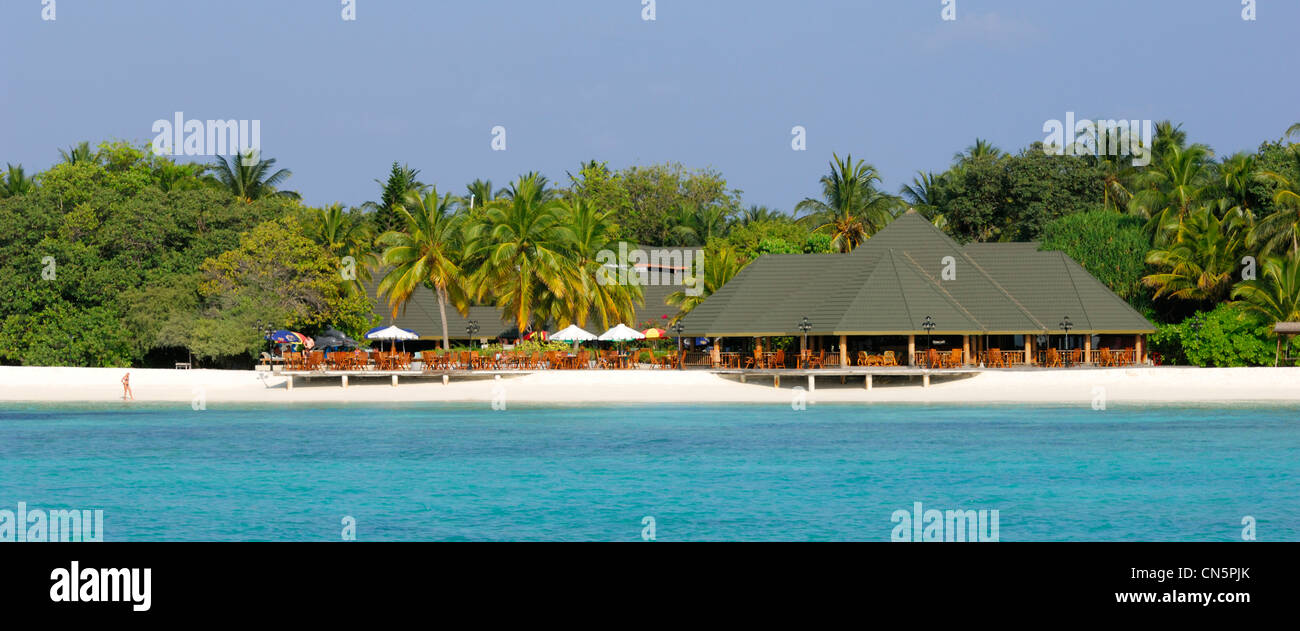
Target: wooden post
x=1087 y=349
x=925 y=380
x=844 y=351
x=289 y=383
x=1029 y=350
x=776 y=380
x=965 y=350
x=394 y=381
x=1139 y=351
x=867 y=384
x=716 y=352
x=812 y=382
x=345 y=382
x=911 y=350
x=445 y=380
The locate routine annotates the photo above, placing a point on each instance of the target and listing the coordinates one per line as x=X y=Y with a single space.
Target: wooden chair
x=1104 y=358
x=777 y=360
x=1054 y=359
x=889 y=359
x=756 y=361
x=932 y=359
x=819 y=361
x=995 y=359
x=953 y=359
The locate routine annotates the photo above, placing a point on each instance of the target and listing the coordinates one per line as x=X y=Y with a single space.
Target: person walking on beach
x=126 y=388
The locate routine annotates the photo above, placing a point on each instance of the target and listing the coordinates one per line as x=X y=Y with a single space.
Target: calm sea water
x=446 y=472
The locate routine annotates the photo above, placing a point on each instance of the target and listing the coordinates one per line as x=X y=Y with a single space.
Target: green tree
x=852 y=208
x=402 y=180
x=249 y=180
x=1275 y=295
x=525 y=245
x=345 y=236
x=424 y=254
x=78 y=154
x=594 y=231
x=1201 y=262
x=15 y=182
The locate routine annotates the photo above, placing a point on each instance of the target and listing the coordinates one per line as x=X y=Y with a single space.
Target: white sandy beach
x=1081 y=386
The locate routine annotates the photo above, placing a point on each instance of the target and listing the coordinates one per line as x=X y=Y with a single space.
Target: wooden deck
x=745 y=374
x=866 y=373
x=344 y=376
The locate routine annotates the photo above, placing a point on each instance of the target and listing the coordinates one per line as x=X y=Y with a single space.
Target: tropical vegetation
x=117 y=256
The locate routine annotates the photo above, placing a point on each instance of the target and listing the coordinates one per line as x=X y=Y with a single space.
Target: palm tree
x=1281 y=230
x=402 y=179
x=1168 y=137
x=1202 y=261
x=78 y=154
x=15 y=182
x=249 y=180
x=344 y=235
x=1276 y=294
x=180 y=177
x=1236 y=174
x=696 y=225
x=981 y=149
x=593 y=232
x=481 y=193
x=1171 y=189
x=423 y=254
x=852 y=209
x=720 y=266
x=761 y=214
x=525 y=245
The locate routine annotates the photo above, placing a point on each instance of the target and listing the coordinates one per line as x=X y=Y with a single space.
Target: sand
x=1073 y=386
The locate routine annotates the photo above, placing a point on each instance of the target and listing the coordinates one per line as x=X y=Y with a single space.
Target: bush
x=1226 y=336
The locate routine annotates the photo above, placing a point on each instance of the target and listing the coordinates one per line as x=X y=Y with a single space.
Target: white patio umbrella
x=391 y=333
x=573 y=333
x=621 y=333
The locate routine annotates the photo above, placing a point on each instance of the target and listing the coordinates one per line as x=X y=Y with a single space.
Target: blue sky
x=709 y=83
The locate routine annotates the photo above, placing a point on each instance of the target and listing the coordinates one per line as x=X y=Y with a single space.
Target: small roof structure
x=1287 y=328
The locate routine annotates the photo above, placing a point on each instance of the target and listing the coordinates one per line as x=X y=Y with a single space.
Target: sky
x=707 y=83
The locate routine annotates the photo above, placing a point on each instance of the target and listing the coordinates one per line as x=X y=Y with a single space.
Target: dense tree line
x=121 y=257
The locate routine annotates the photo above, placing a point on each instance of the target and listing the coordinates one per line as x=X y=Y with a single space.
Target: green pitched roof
x=890 y=283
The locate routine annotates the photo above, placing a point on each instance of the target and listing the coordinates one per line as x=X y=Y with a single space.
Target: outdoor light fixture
x=928 y=325
x=677 y=328
x=471 y=329
x=805 y=326
x=1066 y=325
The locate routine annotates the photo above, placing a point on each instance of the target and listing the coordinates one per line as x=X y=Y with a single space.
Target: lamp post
x=677 y=328
x=928 y=324
x=471 y=329
x=1066 y=325
x=805 y=325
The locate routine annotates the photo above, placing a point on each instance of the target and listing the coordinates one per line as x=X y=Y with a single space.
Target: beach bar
x=911 y=296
